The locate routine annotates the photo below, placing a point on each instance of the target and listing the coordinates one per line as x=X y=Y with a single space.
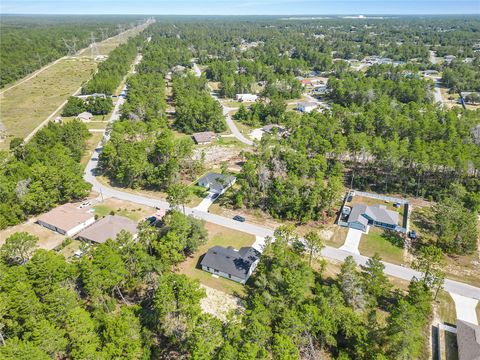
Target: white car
x=346 y=210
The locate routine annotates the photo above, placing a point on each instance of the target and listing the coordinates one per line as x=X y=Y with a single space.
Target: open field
x=128 y=209
x=376 y=242
x=221 y=236
x=26 y=105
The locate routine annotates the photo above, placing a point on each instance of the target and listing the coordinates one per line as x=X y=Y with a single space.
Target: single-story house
x=246 y=97
x=468 y=340
x=85 y=116
x=108 y=228
x=217 y=182
x=204 y=137
x=449 y=58
x=230 y=263
x=67 y=219
x=306 y=107
x=269 y=129
x=377 y=215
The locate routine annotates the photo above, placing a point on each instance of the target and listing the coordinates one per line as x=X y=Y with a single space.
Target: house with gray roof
x=468 y=340
x=377 y=215
x=216 y=182
x=107 y=228
x=230 y=263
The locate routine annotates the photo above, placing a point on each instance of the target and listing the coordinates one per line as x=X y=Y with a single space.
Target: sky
x=240 y=7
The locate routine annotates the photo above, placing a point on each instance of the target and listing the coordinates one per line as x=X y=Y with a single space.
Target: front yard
x=133 y=211
x=218 y=236
x=386 y=245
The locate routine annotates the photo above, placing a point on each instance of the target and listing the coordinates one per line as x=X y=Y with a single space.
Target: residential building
x=269 y=129
x=468 y=340
x=230 y=263
x=306 y=107
x=217 y=182
x=202 y=138
x=67 y=219
x=85 y=116
x=107 y=228
x=377 y=215
x=246 y=97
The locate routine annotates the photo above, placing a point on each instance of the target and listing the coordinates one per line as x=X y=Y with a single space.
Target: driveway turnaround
x=466 y=308
x=352 y=241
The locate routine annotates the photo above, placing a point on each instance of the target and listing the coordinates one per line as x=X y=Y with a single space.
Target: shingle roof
x=216 y=181
x=357 y=214
x=384 y=215
x=65 y=217
x=230 y=261
x=108 y=228
x=376 y=212
x=468 y=340
x=202 y=137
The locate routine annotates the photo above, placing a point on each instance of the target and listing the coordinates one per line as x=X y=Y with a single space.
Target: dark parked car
x=412 y=234
x=239 y=218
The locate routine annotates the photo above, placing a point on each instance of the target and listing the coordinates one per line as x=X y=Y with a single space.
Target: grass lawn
x=446 y=307
x=133 y=211
x=92 y=143
x=221 y=236
x=24 y=107
x=196 y=196
x=376 y=242
x=70 y=249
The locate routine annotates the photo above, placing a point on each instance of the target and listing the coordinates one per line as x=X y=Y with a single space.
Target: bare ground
x=220 y=304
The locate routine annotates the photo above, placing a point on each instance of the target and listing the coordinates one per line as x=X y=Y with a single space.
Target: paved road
x=260 y=231
x=231 y=124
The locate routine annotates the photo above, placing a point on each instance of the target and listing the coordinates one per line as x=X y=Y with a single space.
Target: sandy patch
x=219 y=304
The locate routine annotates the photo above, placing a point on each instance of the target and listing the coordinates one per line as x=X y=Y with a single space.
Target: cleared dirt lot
x=48 y=239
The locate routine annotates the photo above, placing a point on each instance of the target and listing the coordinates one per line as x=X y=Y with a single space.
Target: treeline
x=459 y=76
x=94 y=105
x=43 y=173
x=145 y=98
x=111 y=72
x=292 y=178
x=355 y=88
x=30 y=42
x=146 y=155
x=195 y=109
x=122 y=300
x=261 y=113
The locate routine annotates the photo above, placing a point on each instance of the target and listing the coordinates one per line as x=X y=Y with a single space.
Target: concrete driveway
x=352 y=241
x=207 y=201
x=466 y=308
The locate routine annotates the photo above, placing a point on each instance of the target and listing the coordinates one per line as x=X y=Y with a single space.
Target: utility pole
x=93 y=46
